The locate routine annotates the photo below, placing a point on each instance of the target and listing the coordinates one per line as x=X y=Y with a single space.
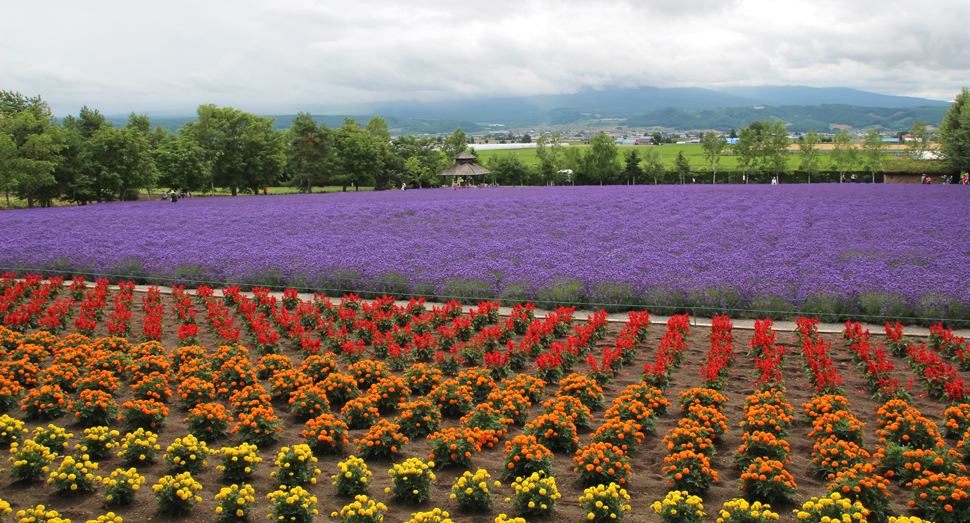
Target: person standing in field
x=454 y=185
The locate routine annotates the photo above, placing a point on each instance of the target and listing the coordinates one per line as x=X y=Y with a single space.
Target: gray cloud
x=287 y=55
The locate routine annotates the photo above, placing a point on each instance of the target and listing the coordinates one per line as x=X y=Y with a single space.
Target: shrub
x=453 y=399
x=309 y=402
x=296 y=465
x=861 y=483
x=605 y=503
x=529 y=386
x=11 y=431
x=436 y=515
x=456 y=446
x=740 y=511
x=418 y=418
x=176 y=494
x=235 y=503
x=361 y=510
x=622 y=434
x=53 y=437
x=602 y=464
x=833 y=454
x=44 y=403
x=570 y=406
x=30 y=460
x=534 y=495
x=710 y=417
x=73 y=475
x=208 y=421
x=411 y=480
x=40 y=514
x=582 y=388
x=767 y=480
x=259 y=426
x=764 y=445
x=941 y=498
x=679 y=507
x=703 y=397
x=238 y=463
x=143 y=414
x=512 y=404
x=368 y=372
x=690 y=435
x=834 y=507
x=556 y=431
x=689 y=471
x=381 y=441
x=352 y=477
x=326 y=434
x=361 y=412
x=471 y=491
x=840 y=424
x=120 y=487
x=187 y=454
x=389 y=392
x=98 y=441
x=524 y=455
x=94 y=407
x=421 y=378
x=193 y=391
x=139 y=447
x=153 y=386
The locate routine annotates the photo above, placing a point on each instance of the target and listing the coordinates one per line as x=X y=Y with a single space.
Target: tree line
x=86 y=159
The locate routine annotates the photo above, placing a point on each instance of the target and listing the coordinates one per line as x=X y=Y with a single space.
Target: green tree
x=657 y=139
x=599 y=162
x=682 y=166
x=392 y=166
x=309 y=153
x=421 y=159
x=954 y=133
x=746 y=151
x=811 y=156
x=872 y=146
x=508 y=169
x=548 y=150
x=774 y=149
x=920 y=144
x=653 y=166
x=181 y=164
x=632 y=169
x=359 y=155
x=36 y=143
x=8 y=170
x=121 y=160
x=453 y=145
x=713 y=147
x=844 y=154
x=242 y=150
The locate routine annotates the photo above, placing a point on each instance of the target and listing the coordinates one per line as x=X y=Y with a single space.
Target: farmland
x=833 y=250
x=270 y=354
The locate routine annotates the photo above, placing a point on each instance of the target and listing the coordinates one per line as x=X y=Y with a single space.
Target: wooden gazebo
x=464 y=166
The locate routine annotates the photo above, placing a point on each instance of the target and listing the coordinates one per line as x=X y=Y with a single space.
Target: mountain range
x=679 y=108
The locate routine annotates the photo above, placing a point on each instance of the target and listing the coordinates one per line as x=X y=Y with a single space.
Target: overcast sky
x=286 y=56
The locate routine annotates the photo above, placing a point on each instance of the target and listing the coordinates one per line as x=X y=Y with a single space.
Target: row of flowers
x=941 y=379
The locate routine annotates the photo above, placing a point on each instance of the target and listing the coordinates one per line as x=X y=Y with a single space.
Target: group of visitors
x=174 y=196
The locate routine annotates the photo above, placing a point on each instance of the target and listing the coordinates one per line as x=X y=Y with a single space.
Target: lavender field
x=842 y=249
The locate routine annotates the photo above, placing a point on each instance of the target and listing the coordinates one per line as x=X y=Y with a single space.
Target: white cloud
x=284 y=55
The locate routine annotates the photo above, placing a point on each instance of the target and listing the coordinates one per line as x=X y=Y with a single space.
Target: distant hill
x=395 y=125
x=800 y=117
x=623 y=102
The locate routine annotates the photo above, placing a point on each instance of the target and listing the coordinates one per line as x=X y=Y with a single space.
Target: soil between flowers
x=646 y=485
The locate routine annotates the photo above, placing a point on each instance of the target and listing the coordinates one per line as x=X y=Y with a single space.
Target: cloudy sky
x=288 y=55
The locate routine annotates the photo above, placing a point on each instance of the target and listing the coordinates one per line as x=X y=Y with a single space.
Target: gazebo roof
x=464 y=166
x=464 y=169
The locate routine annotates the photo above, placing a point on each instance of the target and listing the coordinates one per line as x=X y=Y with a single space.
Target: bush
x=44 y=403
x=524 y=455
x=605 y=504
x=352 y=477
x=602 y=464
x=689 y=471
x=176 y=495
x=187 y=454
x=296 y=465
x=767 y=480
x=381 y=441
x=833 y=507
x=556 y=431
x=259 y=426
x=740 y=511
x=143 y=414
x=411 y=480
x=94 y=407
x=582 y=388
x=73 y=475
x=471 y=491
x=941 y=498
x=139 y=447
x=98 y=441
x=208 y=421
x=30 y=460
x=362 y=510
x=53 y=437
x=679 y=507
x=326 y=434
x=11 y=431
x=535 y=495
x=120 y=487
x=235 y=503
x=418 y=418
x=238 y=463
